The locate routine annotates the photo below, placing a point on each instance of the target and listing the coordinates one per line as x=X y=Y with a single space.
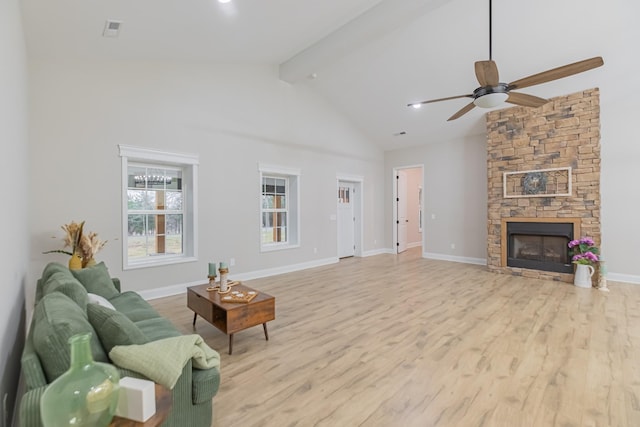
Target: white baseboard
x=380 y=251
x=284 y=269
x=626 y=278
x=444 y=257
x=168 y=291
x=414 y=245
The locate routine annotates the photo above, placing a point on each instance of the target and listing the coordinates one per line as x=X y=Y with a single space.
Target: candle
x=223 y=265
x=212 y=269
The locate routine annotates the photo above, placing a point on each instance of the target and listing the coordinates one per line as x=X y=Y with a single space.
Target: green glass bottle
x=86 y=395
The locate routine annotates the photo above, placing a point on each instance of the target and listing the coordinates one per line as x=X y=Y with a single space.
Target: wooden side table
x=164 y=400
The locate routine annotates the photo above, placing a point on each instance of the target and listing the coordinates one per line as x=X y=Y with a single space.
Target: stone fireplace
x=528 y=229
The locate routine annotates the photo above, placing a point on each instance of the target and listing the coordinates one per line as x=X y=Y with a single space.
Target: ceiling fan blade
x=557 y=73
x=487 y=73
x=525 y=100
x=439 y=99
x=462 y=111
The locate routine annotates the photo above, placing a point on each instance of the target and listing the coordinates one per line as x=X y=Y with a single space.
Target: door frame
x=394 y=205
x=358 y=211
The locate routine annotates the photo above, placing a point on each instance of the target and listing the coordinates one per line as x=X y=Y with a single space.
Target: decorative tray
x=238 y=297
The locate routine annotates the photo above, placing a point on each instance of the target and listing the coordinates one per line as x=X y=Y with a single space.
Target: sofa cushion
x=114 y=328
x=56 y=319
x=53 y=267
x=49 y=270
x=157 y=328
x=133 y=306
x=96 y=280
x=67 y=284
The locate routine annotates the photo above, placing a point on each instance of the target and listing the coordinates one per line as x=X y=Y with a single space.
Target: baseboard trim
x=284 y=269
x=169 y=291
x=414 y=245
x=464 y=260
x=381 y=251
x=626 y=278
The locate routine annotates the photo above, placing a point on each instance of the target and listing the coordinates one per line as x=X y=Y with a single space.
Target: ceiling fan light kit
x=488 y=97
x=492 y=93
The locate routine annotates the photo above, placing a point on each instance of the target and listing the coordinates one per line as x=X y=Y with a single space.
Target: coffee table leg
x=230 y=343
x=194 y=318
x=266 y=334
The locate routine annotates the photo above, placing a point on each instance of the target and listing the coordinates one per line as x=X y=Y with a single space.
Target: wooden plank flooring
x=403 y=341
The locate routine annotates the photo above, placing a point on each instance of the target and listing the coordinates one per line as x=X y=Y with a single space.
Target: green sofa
x=63 y=309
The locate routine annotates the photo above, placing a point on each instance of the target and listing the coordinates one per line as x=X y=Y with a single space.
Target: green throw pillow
x=54 y=267
x=96 y=280
x=56 y=319
x=49 y=270
x=114 y=328
x=68 y=285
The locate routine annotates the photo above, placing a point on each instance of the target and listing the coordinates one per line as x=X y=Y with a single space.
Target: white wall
x=13 y=164
x=232 y=116
x=620 y=149
x=454 y=191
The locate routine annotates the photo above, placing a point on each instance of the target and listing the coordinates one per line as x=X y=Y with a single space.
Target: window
x=279 y=208
x=343 y=195
x=158 y=207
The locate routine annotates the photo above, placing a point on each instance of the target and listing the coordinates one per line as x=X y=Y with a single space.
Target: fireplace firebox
x=539 y=246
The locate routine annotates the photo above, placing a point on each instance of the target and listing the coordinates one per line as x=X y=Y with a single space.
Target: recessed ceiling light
x=224 y=1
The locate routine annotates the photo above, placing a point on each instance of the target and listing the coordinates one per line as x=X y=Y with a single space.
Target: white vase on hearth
x=582 y=277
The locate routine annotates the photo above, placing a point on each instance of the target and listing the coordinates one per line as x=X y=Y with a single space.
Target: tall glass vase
x=86 y=395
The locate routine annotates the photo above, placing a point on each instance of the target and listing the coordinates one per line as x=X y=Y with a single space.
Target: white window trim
x=148 y=155
x=268 y=169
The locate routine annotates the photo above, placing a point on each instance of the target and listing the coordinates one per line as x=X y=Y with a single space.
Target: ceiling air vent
x=111 y=28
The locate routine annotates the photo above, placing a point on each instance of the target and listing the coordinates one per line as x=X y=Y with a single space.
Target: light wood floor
x=402 y=341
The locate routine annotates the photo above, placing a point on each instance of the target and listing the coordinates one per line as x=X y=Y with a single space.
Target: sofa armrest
x=30 y=408
x=30 y=364
x=205 y=384
x=116 y=283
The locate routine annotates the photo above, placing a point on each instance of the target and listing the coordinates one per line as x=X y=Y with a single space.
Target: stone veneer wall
x=564 y=132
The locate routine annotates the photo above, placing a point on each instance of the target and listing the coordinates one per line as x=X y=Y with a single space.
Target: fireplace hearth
x=539 y=246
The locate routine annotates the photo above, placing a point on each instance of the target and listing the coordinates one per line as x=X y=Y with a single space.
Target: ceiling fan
x=492 y=92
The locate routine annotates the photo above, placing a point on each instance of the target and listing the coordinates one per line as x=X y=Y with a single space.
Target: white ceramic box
x=137 y=399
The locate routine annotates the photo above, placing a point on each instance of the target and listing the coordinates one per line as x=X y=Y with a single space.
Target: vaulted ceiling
x=368 y=58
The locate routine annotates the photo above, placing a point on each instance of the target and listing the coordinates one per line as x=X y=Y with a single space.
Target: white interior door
x=346 y=220
x=401 y=203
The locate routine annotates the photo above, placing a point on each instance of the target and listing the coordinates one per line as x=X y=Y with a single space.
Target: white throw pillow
x=97 y=299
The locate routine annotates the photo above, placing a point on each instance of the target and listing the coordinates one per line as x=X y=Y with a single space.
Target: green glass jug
x=86 y=395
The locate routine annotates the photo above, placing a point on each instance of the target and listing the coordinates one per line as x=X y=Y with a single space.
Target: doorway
x=408 y=207
x=349 y=217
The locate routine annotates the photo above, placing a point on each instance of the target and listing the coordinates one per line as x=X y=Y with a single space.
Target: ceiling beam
x=380 y=20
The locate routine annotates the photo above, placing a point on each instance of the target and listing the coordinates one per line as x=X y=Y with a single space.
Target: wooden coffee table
x=231 y=317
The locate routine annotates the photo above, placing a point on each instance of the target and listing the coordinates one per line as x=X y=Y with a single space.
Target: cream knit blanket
x=162 y=361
